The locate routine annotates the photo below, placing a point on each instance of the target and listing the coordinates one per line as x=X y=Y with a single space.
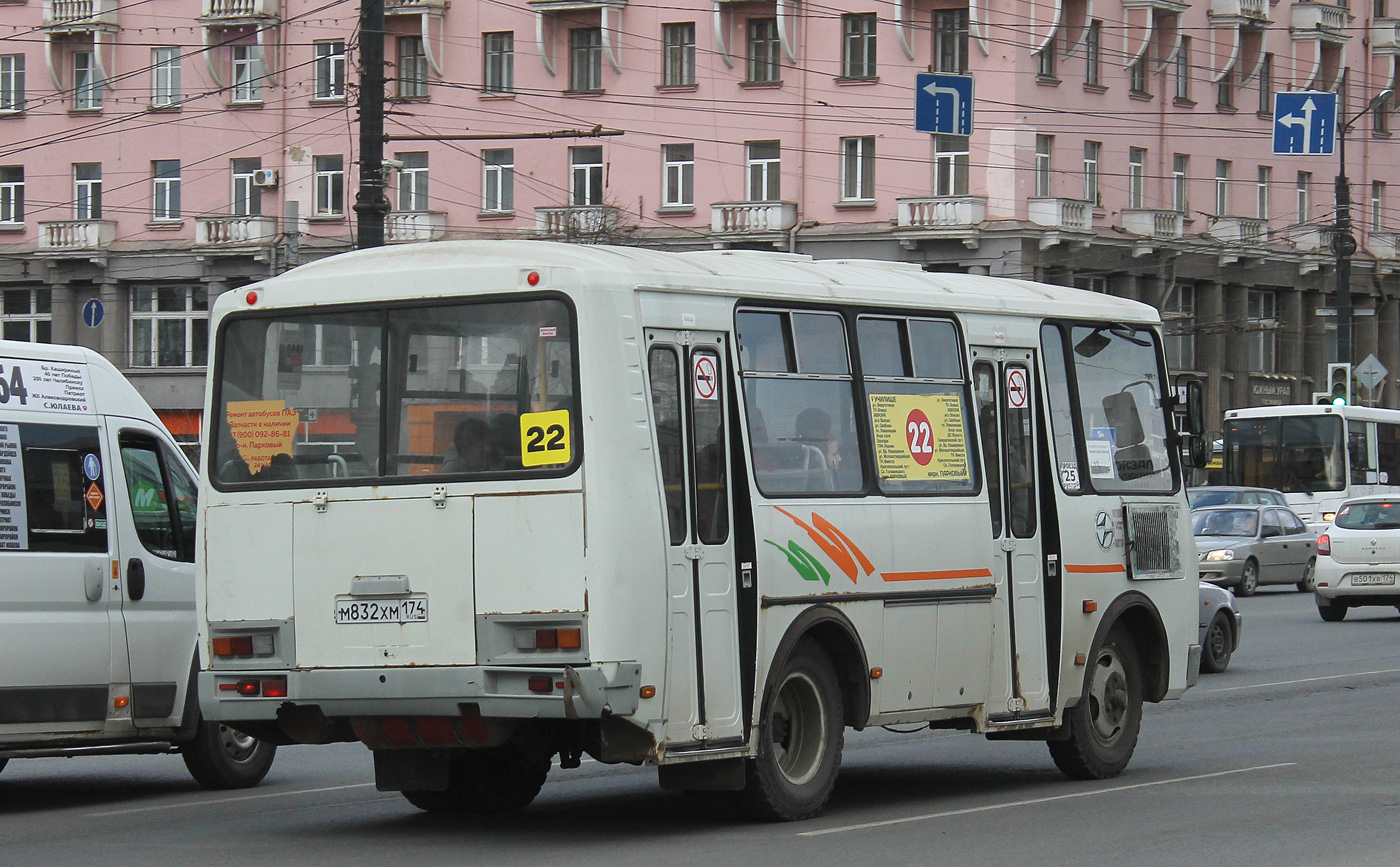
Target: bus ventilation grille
x=1153 y=548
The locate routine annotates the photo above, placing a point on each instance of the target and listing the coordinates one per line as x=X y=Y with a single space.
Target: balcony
x=414 y=7
x=234 y=231
x=406 y=227
x=1385 y=36
x=65 y=235
x=1240 y=11
x=752 y=218
x=1150 y=223
x=1072 y=214
x=941 y=212
x=1384 y=245
x=1165 y=7
x=80 y=15
x=1311 y=239
x=579 y=222
x=238 y=10
x=1238 y=230
x=1329 y=22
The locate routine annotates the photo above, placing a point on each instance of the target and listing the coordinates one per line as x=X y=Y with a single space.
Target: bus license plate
x=381 y=610
x=1368 y=578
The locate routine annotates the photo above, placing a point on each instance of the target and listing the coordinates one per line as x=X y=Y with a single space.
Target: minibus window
x=53 y=489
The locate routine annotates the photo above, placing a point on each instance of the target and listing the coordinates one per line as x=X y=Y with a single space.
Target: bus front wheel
x=501 y=779
x=800 y=740
x=1103 y=727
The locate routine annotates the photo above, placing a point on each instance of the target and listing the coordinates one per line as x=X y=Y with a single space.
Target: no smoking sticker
x=1018 y=393
x=706 y=377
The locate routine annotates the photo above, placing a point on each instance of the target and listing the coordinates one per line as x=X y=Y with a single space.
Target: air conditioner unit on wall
x=265 y=178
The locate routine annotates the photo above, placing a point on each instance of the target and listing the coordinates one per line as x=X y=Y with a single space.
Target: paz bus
x=479 y=504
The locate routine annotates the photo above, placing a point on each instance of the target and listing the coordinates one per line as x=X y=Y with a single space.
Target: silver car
x=1221 y=622
x=1245 y=546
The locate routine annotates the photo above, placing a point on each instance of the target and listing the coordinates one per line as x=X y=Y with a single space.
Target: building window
x=1261 y=192
x=1380 y=116
x=1137 y=159
x=87 y=191
x=413 y=68
x=678 y=54
x=764 y=48
x=678 y=175
x=1044 y=146
x=11 y=195
x=951 y=157
x=1179 y=319
x=1377 y=206
x=1225 y=90
x=330 y=186
x=413 y=181
x=1137 y=75
x=1181 y=69
x=586 y=175
x=764 y=162
x=165 y=197
x=586 y=59
x=1181 y=167
x=858 y=169
x=28 y=315
x=498 y=181
x=1266 y=85
x=950 y=40
x=499 y=73
x=169 y=326
x=330 y=68
x=247 y=196
x=1262 y=314
x=1092 y=150
x=87 y=82
x=1222 y=187
x=165 y=77
x=858 y=46
x=1092 y=43
x=11 y=82
x=1304 y=197
x=247 y=74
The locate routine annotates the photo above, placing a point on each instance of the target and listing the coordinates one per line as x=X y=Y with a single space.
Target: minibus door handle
x=135 y=579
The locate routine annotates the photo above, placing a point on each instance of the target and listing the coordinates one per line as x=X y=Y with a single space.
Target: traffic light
x=1339 y=384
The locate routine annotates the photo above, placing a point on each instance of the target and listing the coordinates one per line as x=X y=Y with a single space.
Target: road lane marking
x=1046 y=800
x=207 y=803
x=1302 y=680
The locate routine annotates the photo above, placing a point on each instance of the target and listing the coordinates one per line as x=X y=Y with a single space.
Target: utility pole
x=1343 y=241
x=371 y=206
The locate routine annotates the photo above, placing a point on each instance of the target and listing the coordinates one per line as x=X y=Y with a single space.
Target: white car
x=1359 y=557
x=1220 y=622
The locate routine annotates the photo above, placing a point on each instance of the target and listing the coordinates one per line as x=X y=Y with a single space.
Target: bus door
x=690 y=394
x=1004 y=380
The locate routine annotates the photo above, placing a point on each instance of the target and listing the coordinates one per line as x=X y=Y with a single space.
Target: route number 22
x=544 y=438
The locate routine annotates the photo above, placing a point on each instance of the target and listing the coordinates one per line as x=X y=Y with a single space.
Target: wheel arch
x=1143 y=624
x=834 y=633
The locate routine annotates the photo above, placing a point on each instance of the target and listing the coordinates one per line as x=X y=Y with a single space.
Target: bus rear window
x=483 y=390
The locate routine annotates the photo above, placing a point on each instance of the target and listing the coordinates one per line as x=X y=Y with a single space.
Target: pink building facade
x=155 y=155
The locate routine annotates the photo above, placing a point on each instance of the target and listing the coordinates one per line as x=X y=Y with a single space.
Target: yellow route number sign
x=545 y=439
x=920 y=437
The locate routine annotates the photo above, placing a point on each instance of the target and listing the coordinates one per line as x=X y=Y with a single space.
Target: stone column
x=1210 y=345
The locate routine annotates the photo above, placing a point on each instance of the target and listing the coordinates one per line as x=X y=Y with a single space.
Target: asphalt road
x=1291 y=757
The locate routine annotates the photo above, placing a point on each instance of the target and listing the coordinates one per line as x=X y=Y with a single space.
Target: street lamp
x=1343 y=241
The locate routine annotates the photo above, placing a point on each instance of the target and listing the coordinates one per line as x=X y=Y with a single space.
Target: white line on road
x=1030 y=801
x=1303 y=680
x=206 y=803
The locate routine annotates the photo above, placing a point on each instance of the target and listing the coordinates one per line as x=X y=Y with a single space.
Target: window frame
x=87 y=191
x=678 y=175
x=165 y=77
x=87 y=81
x=858 y=168
x=145 y=307
x=12 y=83
x=858 y=46
x=498 y=179
x=329 y=185
x=763 y=174
x=165 y=192
x=678 y=54
x=498 y=62
x=37 y=317
x=12 y=195
x=412 y=183
x=411 y=81
x=585 y=60
x=328 y=59
x=246 y=78
x=763 y=51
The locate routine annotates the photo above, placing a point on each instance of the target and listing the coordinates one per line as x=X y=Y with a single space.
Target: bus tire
x=490 y=780
x=1215 y=655
x=1249 y=578
x=1332 y=612
x=219 y=757
x=800 y=738
x=1103 y=727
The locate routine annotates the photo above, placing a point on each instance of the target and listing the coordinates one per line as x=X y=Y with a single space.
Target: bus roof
x=748 y=273
x=1360 y=413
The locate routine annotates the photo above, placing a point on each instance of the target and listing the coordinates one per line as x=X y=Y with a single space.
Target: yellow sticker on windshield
x=544 y=438
x=919 y=437
x=262 y=430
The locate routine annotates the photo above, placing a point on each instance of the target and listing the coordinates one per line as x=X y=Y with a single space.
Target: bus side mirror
x=1195 y=408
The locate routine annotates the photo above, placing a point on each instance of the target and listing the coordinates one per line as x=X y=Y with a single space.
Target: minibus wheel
x=1103 y=727
x=500 y=779
x=219 y=757
x=800 y=740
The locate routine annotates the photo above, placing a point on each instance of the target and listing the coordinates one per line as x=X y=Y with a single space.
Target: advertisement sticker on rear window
x=43 y=385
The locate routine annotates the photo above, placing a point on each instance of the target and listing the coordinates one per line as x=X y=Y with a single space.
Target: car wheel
x=1249 y=579
x=1103 y=727
x=220 y=757
x=502 y=779
x=1332 y=612
x=1309 y=582
x=1215 y=655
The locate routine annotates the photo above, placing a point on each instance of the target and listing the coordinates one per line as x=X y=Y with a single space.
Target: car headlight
x=1221 y=554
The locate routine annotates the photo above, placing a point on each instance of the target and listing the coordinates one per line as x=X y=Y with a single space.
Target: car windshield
x=1370 y=516
x=1226 y=522
x=1202 y=499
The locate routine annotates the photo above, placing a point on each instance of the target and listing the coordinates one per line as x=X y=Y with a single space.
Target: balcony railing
x=413 y=7
x=80 y=13
x=1384 y=245
x=1385 y=36
x=1311 y=239
x=234 y=231
x=1328 y=21
x=1238 y=230
x=1153 y=223
x=941 y=212
x=1248 y=10
x=581 y=222
x=239 y=9
x=1072 y=214
x=76 y=234
x=739 y=218
x=405 y=227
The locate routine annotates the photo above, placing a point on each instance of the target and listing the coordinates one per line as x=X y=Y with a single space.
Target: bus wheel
x=1103 y=727
x=223 y=758
x=1332 y=612
x=800 y=739
x=500 y=779
x=1215 y=655
x=1249 y=579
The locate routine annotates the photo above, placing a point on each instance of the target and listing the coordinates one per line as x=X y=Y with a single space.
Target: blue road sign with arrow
x=93 y=312
x=1305 y=122
x=943 y=104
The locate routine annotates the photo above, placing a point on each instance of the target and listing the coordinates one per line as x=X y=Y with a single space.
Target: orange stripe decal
x=1111 y=567
x=941 y=575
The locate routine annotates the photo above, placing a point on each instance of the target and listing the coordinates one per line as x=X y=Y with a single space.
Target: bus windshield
x=483 y=389
x=1294 y=454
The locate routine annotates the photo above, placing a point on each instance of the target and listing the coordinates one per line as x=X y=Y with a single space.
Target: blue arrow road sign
x=1305 y=122
x=93 y=313
x=943 y=104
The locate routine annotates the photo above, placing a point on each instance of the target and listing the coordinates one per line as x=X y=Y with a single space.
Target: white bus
x=476 y=504
x=1319 y=456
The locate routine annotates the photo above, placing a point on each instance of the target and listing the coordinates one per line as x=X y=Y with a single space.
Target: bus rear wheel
x=800 y=739
x=1103 y=727
x=501 y=779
